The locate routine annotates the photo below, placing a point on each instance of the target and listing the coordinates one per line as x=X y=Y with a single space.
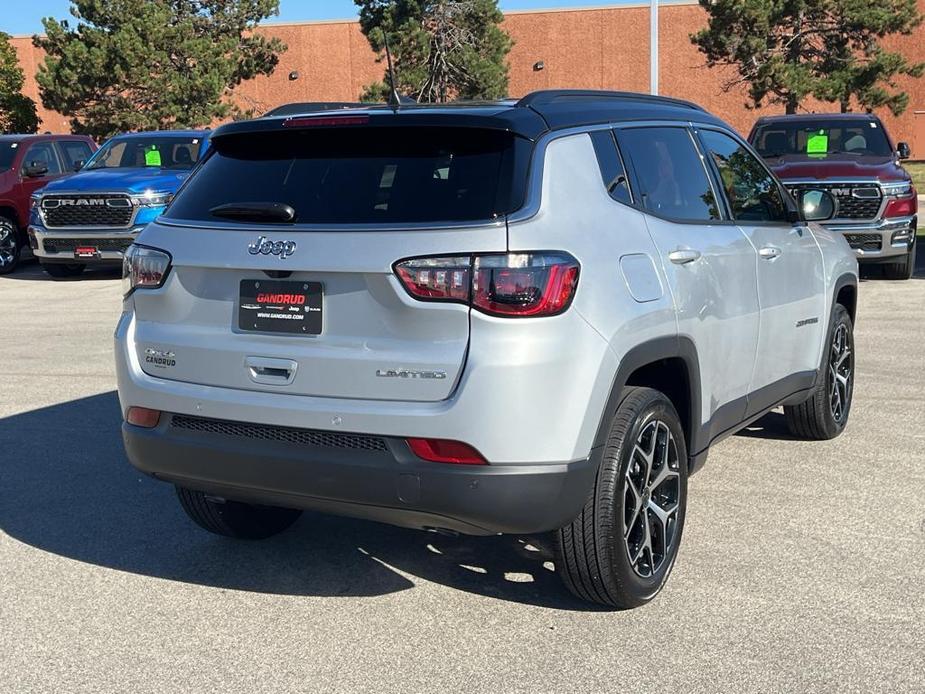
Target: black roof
x=310 y=107
x=528 y=117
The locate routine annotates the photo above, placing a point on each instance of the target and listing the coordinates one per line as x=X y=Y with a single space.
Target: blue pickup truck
x=94 y=215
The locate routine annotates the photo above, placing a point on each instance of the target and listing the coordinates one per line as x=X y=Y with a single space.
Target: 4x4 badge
x=265 y=246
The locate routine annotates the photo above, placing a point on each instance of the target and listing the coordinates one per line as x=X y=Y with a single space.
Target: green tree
x=148 y=64
x=442 y=49
x=855 y=66
x=786 y=50
x=17 y=111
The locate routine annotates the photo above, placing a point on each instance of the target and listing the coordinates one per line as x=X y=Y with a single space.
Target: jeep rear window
x=368 y=175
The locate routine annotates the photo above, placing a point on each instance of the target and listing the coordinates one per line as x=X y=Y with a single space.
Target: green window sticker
x=152 y=156
x=818 y=143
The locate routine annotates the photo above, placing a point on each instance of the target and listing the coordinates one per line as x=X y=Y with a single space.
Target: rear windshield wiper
x=255 y=212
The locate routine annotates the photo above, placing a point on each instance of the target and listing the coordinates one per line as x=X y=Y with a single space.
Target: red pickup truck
x=27 y=163
x=851 y=156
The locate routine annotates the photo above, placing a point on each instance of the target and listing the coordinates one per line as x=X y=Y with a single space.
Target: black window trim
x=627 y=174
x=716 y=176
x=725 y=219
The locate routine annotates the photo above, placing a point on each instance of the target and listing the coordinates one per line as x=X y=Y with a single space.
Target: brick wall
x=606 y=48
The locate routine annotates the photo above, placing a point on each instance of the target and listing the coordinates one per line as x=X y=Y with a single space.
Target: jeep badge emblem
x=264 y=246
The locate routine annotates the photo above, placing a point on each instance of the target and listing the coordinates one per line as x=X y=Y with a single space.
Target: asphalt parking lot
x=802 y=566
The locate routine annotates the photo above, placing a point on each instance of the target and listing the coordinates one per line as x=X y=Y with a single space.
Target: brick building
x=594 y=48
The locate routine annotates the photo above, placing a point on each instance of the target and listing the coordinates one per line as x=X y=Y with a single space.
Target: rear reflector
x=324 y=121
x=444 y=451
x=143 y=417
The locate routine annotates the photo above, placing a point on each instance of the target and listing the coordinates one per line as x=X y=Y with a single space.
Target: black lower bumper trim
x=391 y=485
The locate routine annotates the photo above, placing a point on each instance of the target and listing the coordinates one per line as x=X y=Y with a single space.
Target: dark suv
x=28 y=163
x=851 y=156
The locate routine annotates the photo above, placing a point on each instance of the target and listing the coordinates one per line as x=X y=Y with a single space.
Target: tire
x=903 y=269
x=591 y=554
x=824 y=414
x=62 y=271
x=10 y=247
x=234 y=518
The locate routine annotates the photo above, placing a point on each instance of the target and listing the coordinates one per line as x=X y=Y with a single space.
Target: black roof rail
x=549 y=96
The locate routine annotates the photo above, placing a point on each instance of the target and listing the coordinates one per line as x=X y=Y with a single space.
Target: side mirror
x=79 y=164
x=817 y=205
x=35 y=169
x=903 y=150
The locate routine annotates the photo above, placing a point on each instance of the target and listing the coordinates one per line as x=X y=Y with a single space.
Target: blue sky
x=19 y=17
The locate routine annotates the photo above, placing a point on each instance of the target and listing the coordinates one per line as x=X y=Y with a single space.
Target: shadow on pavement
x=30 y=270
x=67 y=488
x=772 y=426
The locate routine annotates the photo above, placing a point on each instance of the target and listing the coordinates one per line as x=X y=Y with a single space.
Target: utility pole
x=653 y=47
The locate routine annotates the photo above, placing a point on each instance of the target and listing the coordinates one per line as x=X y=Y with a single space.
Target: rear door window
x=371 y=175
x=672 y=180
x=74 y=151
x=612 y=171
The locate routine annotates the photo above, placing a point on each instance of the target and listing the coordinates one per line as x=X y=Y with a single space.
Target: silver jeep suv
x=519 y=317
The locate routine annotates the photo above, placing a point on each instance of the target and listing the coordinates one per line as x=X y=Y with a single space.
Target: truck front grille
x=89 y=210
x=865 y=242
x=855 y=201
x=70 y=245
x=264 y=432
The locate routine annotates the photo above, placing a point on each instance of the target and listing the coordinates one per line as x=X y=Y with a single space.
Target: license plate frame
x=286 y=307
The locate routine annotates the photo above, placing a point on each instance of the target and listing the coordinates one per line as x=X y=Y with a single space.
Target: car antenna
x=394 y=98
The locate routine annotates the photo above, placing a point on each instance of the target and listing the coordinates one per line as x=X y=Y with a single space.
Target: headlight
x=144 y=268
x=34 y=201
x=897 y=190
x=151 y=199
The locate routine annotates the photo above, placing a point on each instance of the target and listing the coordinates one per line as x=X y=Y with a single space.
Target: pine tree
x=786 y=50
x=148 y=64
x=17 y=111
x=442 y=49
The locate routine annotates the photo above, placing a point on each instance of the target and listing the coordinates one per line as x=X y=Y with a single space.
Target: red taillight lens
x=444 y=279
x=444 y=451
x=510 y=284
x=143 y=417
x=902 y=207
x=524 y=284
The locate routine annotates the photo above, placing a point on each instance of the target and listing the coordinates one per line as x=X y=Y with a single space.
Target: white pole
x=653 y=47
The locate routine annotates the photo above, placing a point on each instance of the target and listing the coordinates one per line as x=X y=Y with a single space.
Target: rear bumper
x=376 y=478
x=57 y=245
x=880 y=241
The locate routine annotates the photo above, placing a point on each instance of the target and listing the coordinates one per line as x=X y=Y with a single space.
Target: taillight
x=324 y=121
x=144 y=268
x=445 y=451
x=509 y=284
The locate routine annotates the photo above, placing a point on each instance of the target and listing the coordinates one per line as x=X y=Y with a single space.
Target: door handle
x=271 y=372
x=770 y=252
x=683 y=256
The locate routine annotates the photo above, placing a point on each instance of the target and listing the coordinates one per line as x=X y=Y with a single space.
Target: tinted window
x=819 y=138
x=672 y=180
x=158 y=151
x=612 y=171
x=752 y=193
x=43 y=152
x=363 y=175
x=7 y=154
x=74 y=151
